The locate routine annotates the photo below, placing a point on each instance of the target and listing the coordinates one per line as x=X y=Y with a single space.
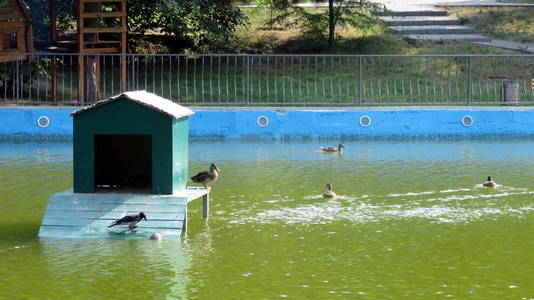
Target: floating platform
x=72 y=215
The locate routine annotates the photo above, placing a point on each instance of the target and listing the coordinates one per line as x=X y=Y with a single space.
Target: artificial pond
x=410 y=222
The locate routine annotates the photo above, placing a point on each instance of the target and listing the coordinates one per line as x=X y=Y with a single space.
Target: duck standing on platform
x=489 y=183
x=207 y=177
x=130 y=220
x=339 y=149
x=328 y=192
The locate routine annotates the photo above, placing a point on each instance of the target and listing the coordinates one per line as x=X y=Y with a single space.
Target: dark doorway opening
x=123 y=163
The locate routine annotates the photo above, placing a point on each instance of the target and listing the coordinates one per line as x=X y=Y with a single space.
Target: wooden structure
x=130 y=155
x=74 y=215
x=99 y=32
x=15 y=30
x=136 y=141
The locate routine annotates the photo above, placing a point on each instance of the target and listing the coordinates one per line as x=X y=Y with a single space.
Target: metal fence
x=279 y=80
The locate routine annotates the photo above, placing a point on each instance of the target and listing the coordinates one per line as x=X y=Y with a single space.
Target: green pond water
x=411 y=222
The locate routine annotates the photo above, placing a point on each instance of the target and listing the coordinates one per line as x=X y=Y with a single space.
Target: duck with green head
x=339 y=149
x=489 y=183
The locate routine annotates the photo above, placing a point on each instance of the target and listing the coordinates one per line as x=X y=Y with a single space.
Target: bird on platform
x=328 y=192
x=339 y=149
x=207 y=177
x=489 y=183
x=130 y=220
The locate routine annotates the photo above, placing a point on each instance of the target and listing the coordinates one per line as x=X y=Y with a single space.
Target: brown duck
x=207 y=177
x=489 y=183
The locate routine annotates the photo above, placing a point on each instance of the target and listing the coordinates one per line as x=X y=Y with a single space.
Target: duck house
x=130 y=156
x=134 y=142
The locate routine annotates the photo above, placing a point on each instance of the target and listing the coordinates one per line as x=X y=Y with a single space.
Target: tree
x=199 y=22
x=357 y=13
x=275 y=7
x=203 y=23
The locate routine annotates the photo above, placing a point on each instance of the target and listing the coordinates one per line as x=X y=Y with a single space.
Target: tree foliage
x=201 y=23
x=321 y=24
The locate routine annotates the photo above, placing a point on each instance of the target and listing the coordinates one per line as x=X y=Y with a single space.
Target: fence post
x=53 y=78
x=360 y=81
x=17 y=79
x=248 y=89
x=469 y=79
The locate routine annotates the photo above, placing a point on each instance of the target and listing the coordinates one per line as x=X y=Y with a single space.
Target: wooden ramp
x=71 y=214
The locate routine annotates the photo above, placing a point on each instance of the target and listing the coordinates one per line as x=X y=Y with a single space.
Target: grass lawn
x=378 y=39
x=507 y=23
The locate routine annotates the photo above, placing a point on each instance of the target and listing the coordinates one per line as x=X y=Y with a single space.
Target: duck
x=489 y=183
x=339 y=148
x=130 y=220
x=207 y=177
x=328 y=192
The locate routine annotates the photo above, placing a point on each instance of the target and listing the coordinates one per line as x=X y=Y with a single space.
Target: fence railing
x=277 y=80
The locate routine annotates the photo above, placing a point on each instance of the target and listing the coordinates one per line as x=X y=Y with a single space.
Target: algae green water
x=411 y=222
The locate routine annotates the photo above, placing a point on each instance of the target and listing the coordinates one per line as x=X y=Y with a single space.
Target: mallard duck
x=339 y=148
x=207 y=177
x=328 y=192
x=489 y=183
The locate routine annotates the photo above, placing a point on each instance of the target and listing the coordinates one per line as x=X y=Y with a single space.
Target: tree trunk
x=53 y=14
x=331 y=24
x=91 y=68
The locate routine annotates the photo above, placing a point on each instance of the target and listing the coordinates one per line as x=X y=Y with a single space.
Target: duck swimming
x=328 y=192
x=207 y=177
x=339 y=149
x=489 y=183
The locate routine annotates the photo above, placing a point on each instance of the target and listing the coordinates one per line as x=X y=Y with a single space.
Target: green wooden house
x=130 y=156
x=136 y=142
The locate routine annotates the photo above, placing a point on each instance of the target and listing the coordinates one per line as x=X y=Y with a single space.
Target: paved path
x=426 y=4
x=452 y=32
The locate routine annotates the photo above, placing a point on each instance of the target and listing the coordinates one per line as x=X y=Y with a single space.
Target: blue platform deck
x=70 y=215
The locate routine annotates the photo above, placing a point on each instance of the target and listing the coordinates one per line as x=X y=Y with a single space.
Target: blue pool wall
x=226 y=123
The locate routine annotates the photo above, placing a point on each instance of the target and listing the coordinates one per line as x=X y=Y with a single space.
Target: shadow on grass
x=373 y=44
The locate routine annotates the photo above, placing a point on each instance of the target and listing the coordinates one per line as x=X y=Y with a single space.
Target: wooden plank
x=109 y=14
x=12 y=24
x=73 y=232
x=102 y=42
x=102 y=29
x=101 y=50
x=115 y=200
x=112 y=215
x=103 y=224
x=6 y=58
x=146 y=208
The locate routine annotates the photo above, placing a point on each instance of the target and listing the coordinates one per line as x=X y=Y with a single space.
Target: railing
x=277 y=80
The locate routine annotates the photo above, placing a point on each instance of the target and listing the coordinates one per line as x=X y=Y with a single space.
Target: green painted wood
x=77 y=232
x=117 y=200
x=147 y=208
x=103 y=223
x=189 y=194
x=91 y=214
x=123 y=117
x=113 y=215
x=180 y=157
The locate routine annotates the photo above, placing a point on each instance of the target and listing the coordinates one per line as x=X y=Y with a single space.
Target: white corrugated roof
x=150 y=100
